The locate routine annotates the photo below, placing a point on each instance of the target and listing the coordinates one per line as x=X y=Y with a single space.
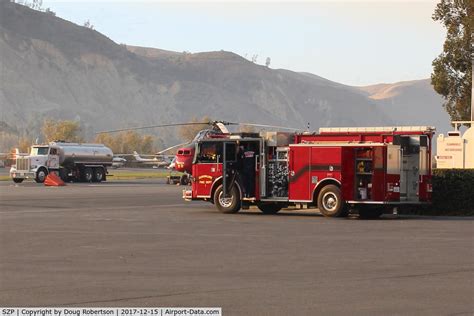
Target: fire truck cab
x=337 y=170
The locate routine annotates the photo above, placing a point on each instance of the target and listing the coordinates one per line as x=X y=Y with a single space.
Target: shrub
x=453 y=191
x=453 y=194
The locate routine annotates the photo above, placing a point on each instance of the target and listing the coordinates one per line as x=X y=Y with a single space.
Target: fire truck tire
x=269 y=209
x=41 y=175
x=370 y=212
x=330 y=202
x=18 y=180
x=229 y=205
x=98 y=174
x=184 y=179
x=87 y=175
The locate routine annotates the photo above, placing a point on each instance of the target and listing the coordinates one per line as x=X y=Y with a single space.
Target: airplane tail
x=137 y=156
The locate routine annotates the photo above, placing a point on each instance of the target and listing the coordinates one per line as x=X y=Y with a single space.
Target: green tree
x=452 y=69
x=109 y=141
x=24 y=144
x=8 y=141
x=147 y=144
x=68 y=131
x=131 y=141
x=128 y=142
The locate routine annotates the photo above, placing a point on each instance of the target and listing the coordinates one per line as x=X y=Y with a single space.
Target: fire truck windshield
x=211 y=152
x=38 y=151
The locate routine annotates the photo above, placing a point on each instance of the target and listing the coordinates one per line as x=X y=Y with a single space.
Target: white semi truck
x=71 y=161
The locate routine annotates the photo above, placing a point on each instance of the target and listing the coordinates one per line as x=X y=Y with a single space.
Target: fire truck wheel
x=370 y=212
x=269 y=208
x=87 y=175
x=18 y=180
x=330 y=202
x=230 y=204
x=41 y=175
x=98 y=174
x=184 y=179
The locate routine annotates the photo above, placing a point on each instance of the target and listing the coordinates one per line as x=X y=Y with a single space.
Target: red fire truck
x=338 y=170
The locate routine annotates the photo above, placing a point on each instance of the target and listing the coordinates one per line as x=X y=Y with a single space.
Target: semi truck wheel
x=63 y=174
x=41 y=175
x=18 y=180
x=330 y=202
x=229 y=204
x=87 y=175
x=98 y=174
x=269 y=208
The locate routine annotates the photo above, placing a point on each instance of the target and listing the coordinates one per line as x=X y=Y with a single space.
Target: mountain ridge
x=53 y=68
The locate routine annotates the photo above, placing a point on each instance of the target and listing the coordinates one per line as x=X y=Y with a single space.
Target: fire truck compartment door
x=347 y=173
x=393 y=159
x=299 y=173
x=410 y=169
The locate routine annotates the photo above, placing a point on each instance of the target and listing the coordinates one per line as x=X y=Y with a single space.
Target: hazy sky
x=351 y=42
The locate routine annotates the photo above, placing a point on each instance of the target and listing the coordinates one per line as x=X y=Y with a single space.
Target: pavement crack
x=121 y=299
x=421 y=274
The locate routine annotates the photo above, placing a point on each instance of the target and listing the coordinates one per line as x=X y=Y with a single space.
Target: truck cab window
x=37 y=151
x=208 y=152
x=53 y=151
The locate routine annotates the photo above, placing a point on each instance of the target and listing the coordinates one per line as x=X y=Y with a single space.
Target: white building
x=456 y=151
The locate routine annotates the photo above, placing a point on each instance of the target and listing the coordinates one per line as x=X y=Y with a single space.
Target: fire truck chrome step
x=285 y=199
x=249 y=199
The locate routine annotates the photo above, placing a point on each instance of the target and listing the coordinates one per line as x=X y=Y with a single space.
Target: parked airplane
x=163 y=161
x=118 y=162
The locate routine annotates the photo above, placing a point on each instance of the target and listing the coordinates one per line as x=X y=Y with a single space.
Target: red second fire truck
x=338 y=170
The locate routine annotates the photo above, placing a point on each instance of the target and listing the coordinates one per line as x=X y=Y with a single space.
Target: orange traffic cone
x=52 y=180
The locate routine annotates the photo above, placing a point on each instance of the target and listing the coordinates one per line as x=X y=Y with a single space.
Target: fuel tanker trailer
x=71 y=161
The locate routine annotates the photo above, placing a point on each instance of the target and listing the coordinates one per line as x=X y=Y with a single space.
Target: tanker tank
x=73 y=153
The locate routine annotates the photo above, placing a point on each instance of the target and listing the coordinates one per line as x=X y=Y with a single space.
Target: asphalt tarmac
x=138 y=243
x=5 y=171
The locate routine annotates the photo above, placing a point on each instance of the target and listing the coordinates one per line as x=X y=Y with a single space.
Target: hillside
x=51 y=68
x=411 y=102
